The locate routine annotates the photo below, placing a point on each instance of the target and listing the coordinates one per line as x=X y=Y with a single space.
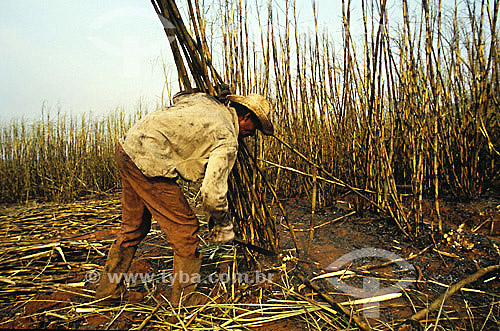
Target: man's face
x=247 y=125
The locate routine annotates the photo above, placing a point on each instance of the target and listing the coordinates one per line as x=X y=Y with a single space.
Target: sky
x=79 y=56
x=83 y=56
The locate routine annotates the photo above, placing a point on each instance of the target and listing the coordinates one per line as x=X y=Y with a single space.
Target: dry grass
x=59 y=157
x=410 y=112
x=40 y=260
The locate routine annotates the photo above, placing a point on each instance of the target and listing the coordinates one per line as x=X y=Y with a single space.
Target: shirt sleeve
x=215 y=183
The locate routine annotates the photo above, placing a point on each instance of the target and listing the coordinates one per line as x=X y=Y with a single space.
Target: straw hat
x=259 y=106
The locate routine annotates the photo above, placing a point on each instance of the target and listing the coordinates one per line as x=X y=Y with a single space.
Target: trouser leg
x=135 y=225
x=117 y=263
x=180 y=225
x=136 y=218
x=175 y=217
x=169 y=207
x=163 y=199
x=186 y=276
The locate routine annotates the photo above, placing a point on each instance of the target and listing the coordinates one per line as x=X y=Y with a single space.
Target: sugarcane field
x=306 y=165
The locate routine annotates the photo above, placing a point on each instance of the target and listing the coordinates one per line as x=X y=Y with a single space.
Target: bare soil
x=470 y=240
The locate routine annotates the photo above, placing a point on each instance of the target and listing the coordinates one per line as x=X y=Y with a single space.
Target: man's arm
x=215 y=183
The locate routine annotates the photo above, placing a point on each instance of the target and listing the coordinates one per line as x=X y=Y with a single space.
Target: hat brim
x=260 y=107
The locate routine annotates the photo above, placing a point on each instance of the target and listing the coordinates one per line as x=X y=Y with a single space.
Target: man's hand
x=221 y=229
x=222 y=234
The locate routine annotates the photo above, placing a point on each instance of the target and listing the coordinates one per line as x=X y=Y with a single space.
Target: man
x=195 y=138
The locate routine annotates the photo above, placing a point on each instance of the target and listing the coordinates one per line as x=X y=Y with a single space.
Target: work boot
x=186 y=278
x=118 y=263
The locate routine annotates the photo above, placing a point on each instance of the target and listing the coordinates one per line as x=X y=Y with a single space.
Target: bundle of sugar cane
x=246 y=199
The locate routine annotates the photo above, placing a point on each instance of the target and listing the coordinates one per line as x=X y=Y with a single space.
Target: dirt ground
x=471 y=242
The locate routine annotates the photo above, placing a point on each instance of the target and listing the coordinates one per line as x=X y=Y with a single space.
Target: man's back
x=178 y=140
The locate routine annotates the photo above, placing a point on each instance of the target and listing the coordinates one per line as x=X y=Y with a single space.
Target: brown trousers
x=160 y=197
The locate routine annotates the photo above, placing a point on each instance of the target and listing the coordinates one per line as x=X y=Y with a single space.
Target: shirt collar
x=234 y=118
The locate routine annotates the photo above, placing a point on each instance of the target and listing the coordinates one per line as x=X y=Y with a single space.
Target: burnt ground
x=471 y=241
x=473 y=230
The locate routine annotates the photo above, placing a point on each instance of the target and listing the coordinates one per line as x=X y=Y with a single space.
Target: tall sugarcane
x=247 y=201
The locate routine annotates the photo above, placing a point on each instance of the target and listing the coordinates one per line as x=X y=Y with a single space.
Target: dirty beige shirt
x=195 y=138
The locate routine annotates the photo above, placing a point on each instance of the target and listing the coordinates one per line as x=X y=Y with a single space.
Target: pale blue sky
x=85 y=55
x=80 y=56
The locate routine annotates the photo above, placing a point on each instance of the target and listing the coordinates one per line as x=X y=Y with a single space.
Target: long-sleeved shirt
x=195 y=138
